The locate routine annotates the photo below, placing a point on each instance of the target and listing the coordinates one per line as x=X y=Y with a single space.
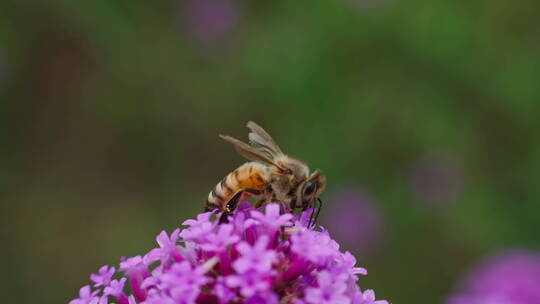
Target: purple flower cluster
x=509 y=277
x=255 y=258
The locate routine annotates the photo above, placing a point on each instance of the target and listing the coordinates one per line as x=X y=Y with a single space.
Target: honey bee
x=270 y=176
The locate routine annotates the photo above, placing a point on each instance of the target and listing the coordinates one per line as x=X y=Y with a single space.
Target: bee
x=270 y=176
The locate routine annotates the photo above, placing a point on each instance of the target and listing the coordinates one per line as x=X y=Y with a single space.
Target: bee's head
x=311 y=188
x=296 y=184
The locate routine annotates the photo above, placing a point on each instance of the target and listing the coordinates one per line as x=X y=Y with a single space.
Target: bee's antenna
x=311 y=217
x=318 y=211
x=315 y=214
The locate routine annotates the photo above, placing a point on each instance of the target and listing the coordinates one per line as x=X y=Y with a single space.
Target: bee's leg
x=224 y=217
x=231 y=205
x=293 y=206
x=264 y=196
x=284 y=207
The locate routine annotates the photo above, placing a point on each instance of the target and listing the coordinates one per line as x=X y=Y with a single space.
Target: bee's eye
x=309 y=188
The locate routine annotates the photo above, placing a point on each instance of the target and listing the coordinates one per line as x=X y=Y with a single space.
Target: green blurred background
x=110 y=111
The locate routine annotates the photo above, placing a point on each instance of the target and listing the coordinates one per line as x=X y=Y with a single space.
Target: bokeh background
x=422 y=114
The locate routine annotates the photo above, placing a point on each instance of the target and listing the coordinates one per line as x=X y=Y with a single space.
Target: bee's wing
x=261 y=140
x=250 y=152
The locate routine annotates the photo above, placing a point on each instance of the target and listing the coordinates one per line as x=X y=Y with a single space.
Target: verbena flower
x=509 y=277
x=258 y=257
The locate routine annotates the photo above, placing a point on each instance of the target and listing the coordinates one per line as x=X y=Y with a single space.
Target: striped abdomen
x=250 y=175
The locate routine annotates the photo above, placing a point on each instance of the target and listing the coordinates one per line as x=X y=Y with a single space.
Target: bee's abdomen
x=248 y=176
